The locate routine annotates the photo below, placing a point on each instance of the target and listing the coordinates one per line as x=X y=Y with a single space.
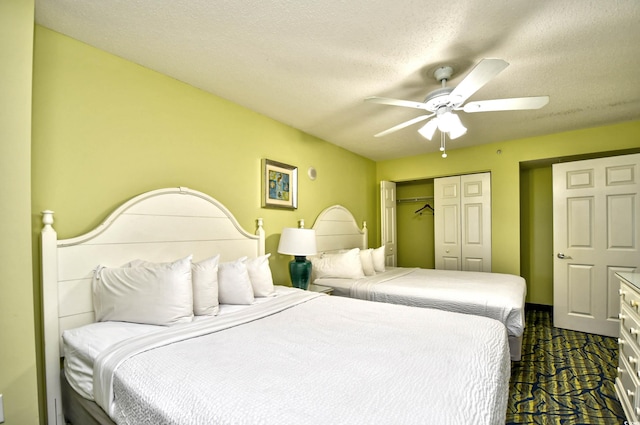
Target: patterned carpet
x=564 y=377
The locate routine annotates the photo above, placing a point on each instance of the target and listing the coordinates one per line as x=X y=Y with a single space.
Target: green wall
x=415 y=246
x=18 y=376
x=536 y=233
x=504 y=161
x=106 y=130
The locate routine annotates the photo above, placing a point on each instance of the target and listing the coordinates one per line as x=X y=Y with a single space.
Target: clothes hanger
x=426 y=206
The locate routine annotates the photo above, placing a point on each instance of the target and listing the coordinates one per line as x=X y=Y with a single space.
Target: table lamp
x=299 y=243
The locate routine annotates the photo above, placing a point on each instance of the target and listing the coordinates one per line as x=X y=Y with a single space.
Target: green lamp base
x=300 y=272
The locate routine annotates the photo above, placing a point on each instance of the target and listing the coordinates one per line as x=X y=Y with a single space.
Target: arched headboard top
x=172 y=203
x=337 y=229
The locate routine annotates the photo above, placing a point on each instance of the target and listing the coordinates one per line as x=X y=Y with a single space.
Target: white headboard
x=336 y=229
x=161 y=225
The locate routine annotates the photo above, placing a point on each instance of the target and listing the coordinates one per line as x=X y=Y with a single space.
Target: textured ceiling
x=310 y=64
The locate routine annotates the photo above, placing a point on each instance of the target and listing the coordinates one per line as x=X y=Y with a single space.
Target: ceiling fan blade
x=396 y=102
x=403 y=125
x=514 y=104
x=478 y=77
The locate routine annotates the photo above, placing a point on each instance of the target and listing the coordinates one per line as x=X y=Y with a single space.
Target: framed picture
x=279 y=185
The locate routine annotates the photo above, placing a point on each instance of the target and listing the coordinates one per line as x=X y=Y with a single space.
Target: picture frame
x=279 y=185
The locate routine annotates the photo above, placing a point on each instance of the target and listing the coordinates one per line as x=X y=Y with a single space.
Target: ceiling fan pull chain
x=442 y=144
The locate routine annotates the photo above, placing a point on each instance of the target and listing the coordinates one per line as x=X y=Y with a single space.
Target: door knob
x=562 y=256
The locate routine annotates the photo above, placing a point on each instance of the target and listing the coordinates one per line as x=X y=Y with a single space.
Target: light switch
x=1 y=410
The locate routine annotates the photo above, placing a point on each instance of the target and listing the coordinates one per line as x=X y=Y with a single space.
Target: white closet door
x=462 y=220
x=388 y=221
x=448 y=250
x=475 y=208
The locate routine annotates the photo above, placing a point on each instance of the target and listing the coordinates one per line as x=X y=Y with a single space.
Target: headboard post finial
x=261 y=233
x=301 y=223
x=47 y=218
x=365 y=235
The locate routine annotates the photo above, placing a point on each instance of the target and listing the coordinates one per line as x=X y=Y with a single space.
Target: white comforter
x=495 y=295
x=306 y=358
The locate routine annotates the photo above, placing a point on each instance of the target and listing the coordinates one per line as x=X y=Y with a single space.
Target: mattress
x=495 y=295
x=82 y=345
x=310 y=358
x=78 y=410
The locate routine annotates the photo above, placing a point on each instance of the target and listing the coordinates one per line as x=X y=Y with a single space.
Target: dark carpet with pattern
x=564 y=377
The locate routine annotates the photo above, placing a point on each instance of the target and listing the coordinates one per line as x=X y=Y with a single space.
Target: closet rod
x=420 y=199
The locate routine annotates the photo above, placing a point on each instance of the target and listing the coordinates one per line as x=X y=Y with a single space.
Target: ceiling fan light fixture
x=457 y=131
x=428 y=130
x=445 y=119
x=450 y=123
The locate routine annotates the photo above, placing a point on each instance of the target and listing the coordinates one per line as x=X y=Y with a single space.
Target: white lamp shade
x=429 y=129
x=457 y=132
x=445 y=121
x=298 y=242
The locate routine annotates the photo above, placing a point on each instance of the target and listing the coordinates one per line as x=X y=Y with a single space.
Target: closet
x=462 y=222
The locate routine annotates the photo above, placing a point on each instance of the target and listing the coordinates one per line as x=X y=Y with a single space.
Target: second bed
x=346 y=265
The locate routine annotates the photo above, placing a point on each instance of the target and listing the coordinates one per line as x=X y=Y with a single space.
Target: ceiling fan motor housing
x=437 y=98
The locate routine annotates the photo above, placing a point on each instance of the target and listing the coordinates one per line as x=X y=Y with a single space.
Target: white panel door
x=596 y=222
x=388 y=221
x=475 y=207
x=448 y=248
x=462 y=220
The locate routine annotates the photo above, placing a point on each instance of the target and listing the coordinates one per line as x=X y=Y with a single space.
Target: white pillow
x=204 y=277
x=156 y=295
x=378 y=256
x=260 y=276
x=345 y=265
x=367 y=262
x=234 y=285
x=204 y=281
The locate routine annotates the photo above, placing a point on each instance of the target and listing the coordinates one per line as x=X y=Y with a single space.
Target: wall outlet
x=1 y=410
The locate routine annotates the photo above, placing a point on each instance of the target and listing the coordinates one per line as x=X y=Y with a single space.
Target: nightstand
x=319 y=288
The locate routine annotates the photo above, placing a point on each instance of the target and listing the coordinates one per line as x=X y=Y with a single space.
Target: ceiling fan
x=441 y=103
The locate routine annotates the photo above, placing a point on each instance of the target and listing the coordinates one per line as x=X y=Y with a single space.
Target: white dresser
x=628 y=380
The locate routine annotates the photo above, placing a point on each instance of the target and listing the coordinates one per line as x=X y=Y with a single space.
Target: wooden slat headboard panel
x=337 y=229
x=161 y=225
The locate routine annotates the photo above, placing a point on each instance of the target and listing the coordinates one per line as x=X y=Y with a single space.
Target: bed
x=286 y=356
x=351 y=269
